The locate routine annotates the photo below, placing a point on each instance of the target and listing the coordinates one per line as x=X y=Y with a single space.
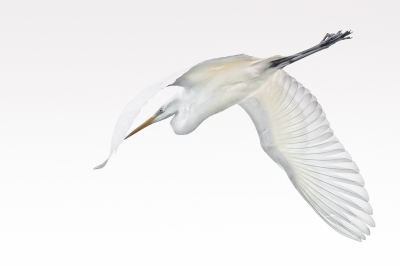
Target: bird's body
x=231 y=79
x=291 y=125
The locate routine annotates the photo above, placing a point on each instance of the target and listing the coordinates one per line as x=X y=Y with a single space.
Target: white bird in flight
x=290 y=122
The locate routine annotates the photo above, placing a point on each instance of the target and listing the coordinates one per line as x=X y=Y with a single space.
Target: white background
x=213 y=197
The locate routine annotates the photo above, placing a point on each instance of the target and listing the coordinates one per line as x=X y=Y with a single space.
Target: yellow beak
x=145 y=124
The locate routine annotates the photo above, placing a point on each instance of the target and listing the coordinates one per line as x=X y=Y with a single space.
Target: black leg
x=326 y=42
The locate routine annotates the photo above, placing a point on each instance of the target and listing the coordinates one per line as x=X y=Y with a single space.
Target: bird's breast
x=182 y=124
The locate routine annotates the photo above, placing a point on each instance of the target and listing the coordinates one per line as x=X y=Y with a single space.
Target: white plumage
x=295 y=133
x=132 y=110
x=291 y=124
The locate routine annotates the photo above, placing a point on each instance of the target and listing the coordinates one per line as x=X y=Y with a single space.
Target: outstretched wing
x=295 y=133
x=130 y=112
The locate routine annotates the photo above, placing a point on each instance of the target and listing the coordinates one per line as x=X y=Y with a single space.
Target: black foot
x=327 y=41
x=331 y=38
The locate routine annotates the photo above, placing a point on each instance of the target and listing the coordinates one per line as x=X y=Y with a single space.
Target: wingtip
x=101 y=165
x=372 y=224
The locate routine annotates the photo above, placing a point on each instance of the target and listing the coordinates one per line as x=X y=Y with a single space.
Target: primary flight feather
x=290 y=122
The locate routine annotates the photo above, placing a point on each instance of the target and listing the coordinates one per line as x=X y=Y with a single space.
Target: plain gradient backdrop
x=213 y=197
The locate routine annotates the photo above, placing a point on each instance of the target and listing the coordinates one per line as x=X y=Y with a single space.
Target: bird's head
x=168 y=109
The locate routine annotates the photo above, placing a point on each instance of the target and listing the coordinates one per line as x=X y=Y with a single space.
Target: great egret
x=291 y=124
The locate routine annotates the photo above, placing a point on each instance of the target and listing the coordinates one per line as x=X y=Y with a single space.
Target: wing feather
x=295 y=133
